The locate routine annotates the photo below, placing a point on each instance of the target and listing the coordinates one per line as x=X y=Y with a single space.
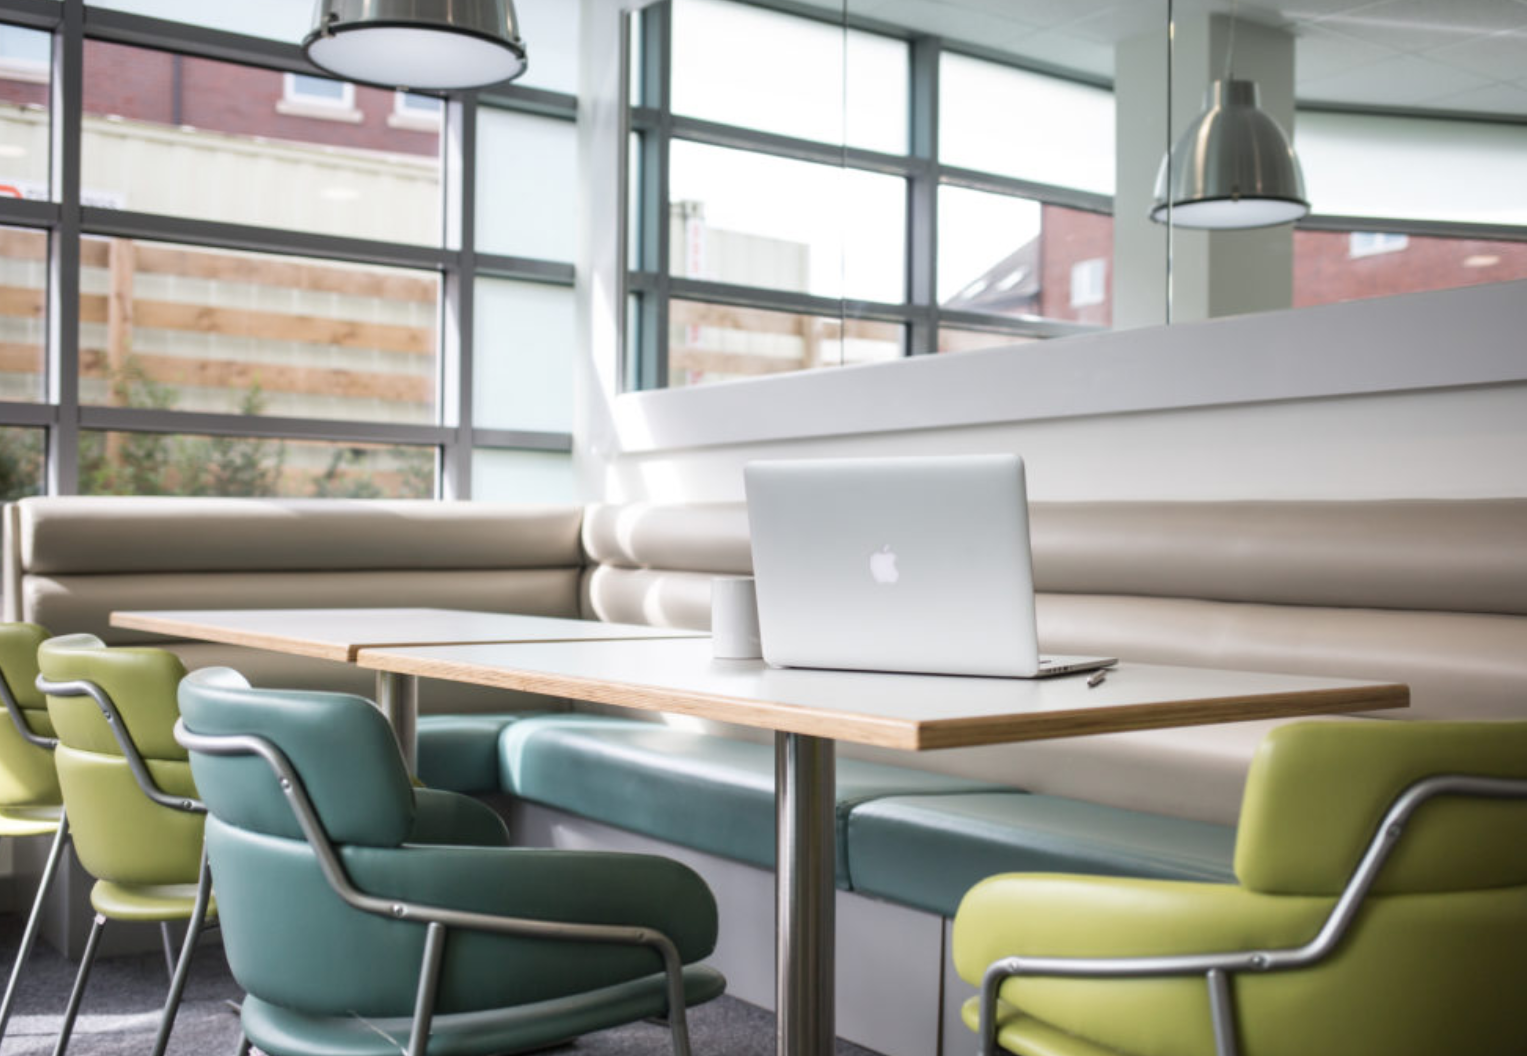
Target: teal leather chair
x=357 y=931
x=1381 y=910
x=30 y=802
x=133 y=810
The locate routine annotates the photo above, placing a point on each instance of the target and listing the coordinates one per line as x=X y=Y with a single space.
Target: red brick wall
x=1067 y=237
x=1325 y=272
x=139 y=84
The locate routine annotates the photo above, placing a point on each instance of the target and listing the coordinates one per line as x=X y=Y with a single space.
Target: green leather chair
x=133 y=810
x=30 y=802
x=356 y=933
x=1381 y=910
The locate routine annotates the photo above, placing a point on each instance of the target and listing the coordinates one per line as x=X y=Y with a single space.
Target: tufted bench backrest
x=71 y=561
x=1433 y=594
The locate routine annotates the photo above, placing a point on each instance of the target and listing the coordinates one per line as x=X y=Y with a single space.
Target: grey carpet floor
x=120 y=1013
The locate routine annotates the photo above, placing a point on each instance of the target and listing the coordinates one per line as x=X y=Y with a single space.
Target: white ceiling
x=1451 y=55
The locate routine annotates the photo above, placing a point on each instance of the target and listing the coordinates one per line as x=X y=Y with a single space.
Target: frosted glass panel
x=743 y=65
x=523 y=371
x=527 y=185
x=288 y=20
x=523 y=476
x=1000 y=119
x=788 y=225
x=1413 y=168
x=550 y=31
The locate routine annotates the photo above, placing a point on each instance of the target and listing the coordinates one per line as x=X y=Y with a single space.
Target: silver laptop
x=898 y=564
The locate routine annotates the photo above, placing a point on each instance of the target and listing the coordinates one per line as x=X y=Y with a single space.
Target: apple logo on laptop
x=883 y=565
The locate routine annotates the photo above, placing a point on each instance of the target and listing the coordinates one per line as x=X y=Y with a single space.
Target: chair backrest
x=121 y=834
x=1318 y=791
x=27 y=776
x=341 y=746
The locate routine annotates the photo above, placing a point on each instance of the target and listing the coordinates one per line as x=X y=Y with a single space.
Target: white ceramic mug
x=734 y=618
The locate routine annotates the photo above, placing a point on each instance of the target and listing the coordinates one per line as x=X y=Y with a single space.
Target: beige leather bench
x=70 y=561
x=1433 y=594
x=1430 y=593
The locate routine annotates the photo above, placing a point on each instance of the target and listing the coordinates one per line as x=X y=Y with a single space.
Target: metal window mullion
x=709 y=292
x=258 y=426
x=63 y=359
x=736 y=137
x=922 y=198
x=522 y=440
x=1050 y=193
x=524 y=269
x=28 y=415
x=459 y=297
x=1420 y=228
x=33 y=14
x=531 y=101
x=154 y=227
x=23 y=212
x=654 y=254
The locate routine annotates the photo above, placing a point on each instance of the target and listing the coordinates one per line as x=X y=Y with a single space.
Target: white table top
x=339 y=634
x=913 y=712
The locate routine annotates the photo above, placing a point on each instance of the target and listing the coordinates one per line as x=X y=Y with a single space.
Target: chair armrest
x=1093 y=917
x=529 y=884
x=451 y=818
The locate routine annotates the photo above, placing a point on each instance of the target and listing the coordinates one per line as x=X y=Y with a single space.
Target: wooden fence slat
x=242 y=376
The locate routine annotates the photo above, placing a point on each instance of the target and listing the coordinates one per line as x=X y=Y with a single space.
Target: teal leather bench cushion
x=459 y=753
x=927 y=851
x=711 y=793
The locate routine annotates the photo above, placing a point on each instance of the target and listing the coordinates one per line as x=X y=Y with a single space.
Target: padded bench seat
x=927 y=851
x=710 y=793
x=459 y=753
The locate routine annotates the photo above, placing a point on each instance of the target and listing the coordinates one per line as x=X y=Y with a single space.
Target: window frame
x=645 y=344
x=66 y=220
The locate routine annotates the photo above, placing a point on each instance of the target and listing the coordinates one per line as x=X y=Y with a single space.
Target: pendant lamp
x=439 y=44
x=1233 y=167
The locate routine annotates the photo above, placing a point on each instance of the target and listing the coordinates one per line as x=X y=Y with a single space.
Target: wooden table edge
x=190 y=629
x=902 y=734
x=1006 y=729
x=786 y=718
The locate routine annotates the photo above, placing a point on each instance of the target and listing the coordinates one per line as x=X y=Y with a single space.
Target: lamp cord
x=1230 y=43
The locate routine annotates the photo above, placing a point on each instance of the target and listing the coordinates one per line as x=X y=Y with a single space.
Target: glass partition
x=999 y=161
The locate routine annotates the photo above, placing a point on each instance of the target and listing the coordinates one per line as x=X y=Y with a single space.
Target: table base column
x=806 y=849
x=398 y=698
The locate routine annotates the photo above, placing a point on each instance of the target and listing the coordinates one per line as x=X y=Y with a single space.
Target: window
x=1088 y=282
x=307 y=96
x=1372 y=243
x=269 y=294
x=25 y=73
x=418 y=113
x=777 y=231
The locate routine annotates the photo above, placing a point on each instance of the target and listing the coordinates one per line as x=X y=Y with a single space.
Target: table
x=811 y=710
x=340 y=634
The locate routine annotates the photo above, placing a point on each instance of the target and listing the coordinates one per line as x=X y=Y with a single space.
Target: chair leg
x=168 y=942
x=183 y=966
x=29 y=937
x=86 y=962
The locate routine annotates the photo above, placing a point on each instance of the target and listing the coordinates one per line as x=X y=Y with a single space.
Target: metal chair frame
x=55 y=855
x=437 y=918
x=1218 y=967
x=198 y=921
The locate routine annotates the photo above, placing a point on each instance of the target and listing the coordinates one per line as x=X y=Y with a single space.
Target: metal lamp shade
x=440 y=44
x=1233 y=167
